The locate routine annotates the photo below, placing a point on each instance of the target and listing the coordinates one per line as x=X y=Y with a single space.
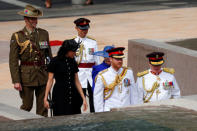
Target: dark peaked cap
x=116 y=52
x=82 y=23
x=155 y=58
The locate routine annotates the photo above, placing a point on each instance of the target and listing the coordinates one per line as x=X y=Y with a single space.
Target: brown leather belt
x=86 y=65
x=32 y=63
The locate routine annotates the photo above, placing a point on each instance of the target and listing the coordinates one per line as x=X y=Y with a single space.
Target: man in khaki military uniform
x=29 y=52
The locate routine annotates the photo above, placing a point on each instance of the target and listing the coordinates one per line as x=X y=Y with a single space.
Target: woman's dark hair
x=67 y=45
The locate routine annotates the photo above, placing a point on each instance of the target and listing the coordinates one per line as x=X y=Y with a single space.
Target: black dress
x=65 y=96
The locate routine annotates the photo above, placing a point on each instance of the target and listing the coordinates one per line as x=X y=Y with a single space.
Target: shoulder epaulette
x=140 y=74
x=20 y=31
x=103 y=71
x=40 y=29
x=169 y=70
x=90 y=38
x=124 y=67
x=74 y=37
x=127 y=67
x=100 y=73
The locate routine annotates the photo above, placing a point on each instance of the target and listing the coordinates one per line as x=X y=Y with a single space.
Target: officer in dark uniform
x=29 y=53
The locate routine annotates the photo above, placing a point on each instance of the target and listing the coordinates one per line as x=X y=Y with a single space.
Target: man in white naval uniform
x=156 y=83
x=85 y=58
x=115 y=86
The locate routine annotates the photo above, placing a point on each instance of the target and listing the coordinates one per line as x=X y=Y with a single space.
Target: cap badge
x=26 y=11
x=157 y=56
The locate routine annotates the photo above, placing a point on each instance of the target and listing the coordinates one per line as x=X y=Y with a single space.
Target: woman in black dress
x=67 y=93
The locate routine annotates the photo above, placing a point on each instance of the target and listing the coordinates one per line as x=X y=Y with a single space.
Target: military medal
x=43 y=44
x=127 y=82
x=167 y=85
x=90 y=51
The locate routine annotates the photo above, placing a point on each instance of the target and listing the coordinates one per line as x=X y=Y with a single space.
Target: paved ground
x=107 y=29
x=64 y=8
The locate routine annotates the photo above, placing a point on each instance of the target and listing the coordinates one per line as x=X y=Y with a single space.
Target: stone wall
x=183 y=60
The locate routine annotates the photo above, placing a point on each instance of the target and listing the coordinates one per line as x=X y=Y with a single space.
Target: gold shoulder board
x=169 y=70
x=90 y=38
x=103 y=71
x=74 y=37
x=140 y=74
x=100 y=73
x=20 y=31
x=129 y=68
x=124 y=67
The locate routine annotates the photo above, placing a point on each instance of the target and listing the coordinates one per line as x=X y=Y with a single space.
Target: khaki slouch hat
x=31 y=11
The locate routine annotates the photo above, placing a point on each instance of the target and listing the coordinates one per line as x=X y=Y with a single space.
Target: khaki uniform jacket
x=37 y=50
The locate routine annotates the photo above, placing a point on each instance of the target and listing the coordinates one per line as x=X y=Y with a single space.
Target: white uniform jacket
x=124 y=93
x=167 y=87
x=89 y=47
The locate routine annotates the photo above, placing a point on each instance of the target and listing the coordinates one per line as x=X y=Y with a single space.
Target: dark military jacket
x=27 y=57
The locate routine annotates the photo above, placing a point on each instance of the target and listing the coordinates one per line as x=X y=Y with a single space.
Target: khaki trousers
x=27 y=96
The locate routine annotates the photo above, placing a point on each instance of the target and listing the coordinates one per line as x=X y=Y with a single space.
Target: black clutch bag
x=51 y=104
